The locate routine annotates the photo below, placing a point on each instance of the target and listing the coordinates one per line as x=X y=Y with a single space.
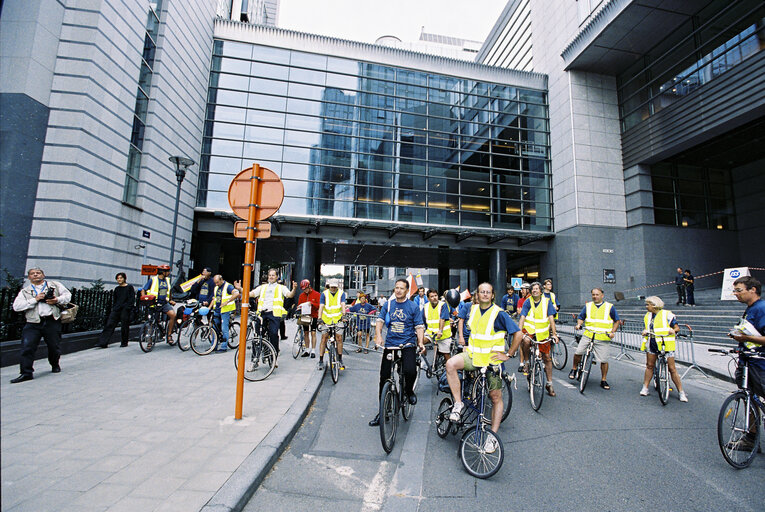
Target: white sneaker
x=490 y=446
x=644 y=391
x=456 y=411
x=683 y=396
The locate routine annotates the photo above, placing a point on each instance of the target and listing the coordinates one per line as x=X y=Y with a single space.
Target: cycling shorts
x=493 y=379
x=544 y=348
x=653 y=348
x=167 y=307
x=312 y=327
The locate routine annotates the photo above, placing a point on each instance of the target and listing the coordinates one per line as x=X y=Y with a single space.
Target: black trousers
x=48 y=328
x=282 y=328
x=123 y=317
x=680 y=294
x=691 y=300
x=408 y=367
x=272 y=324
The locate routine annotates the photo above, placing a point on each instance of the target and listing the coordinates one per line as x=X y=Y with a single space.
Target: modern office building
x=600 y=141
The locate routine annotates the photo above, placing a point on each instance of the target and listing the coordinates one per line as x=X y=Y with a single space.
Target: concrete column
x=498 y=271
x=306 y=261
x=472 y=279
x=443 y=270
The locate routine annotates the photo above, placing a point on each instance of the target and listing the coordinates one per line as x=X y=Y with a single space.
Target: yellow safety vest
x=598 y=321
x=662 y=330
x=433 y=316
x=483 y=339
x=554 y=303
x=231 y=306
x=333 y=310
x=536 y=321
x=154 y=289
x=278 y=304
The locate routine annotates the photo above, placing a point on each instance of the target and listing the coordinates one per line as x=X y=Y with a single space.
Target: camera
x=49 y=295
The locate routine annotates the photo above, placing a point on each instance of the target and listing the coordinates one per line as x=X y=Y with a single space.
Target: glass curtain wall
x=362 y=140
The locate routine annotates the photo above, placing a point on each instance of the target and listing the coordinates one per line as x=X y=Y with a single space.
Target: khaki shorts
x=600 y=350
x=445 y=345
x=494 y=380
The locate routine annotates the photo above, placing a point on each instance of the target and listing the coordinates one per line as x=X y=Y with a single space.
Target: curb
x=242 y=484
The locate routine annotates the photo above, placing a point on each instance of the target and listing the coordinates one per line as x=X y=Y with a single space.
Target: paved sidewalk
x=120 y=430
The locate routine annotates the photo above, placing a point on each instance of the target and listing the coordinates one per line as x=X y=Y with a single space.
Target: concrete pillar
x=443 y=270
x=472 y=279
x=498 y=271
x=306 y=261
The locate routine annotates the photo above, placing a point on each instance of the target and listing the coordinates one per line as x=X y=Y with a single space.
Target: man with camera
x=41 y=303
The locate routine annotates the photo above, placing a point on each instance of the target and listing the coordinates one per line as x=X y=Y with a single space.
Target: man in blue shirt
x=509 y=301
x=405 y=327
x=748 y=290
x=202 y=290
x=362 y=308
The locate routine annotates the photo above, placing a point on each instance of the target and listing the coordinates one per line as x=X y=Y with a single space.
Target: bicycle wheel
x=559 y=354
x=663 y=380
x=442 y=418
x=586 y=367
x=233 y=334
x=297 y=343
x=334 y=366
x=538 y=379
x=479 y=462
x=203 y=340
x=407 y=409
x=507 y=395
x=737 y=444
x=147 y=337
x=184 y=335
x=388 y=416
x=260 y=361
x=439 y=365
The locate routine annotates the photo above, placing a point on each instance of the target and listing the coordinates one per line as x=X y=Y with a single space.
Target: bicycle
x=205 y=338
x=740 y=419
x=334 y=364
x=262 y=356
x=191 y=320
x=559 y=354
x=661 y=380
x=298 y=342
x=474 y=422
x=536 y=376
x=585 y=363
x=154 y=327
x=393 y=398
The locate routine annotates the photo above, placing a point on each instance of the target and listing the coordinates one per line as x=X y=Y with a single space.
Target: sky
x=366 y=20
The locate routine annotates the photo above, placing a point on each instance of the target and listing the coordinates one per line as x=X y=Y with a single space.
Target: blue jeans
x=221 y=321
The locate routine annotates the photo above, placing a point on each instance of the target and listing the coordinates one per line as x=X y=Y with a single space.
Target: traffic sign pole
x=256 y=191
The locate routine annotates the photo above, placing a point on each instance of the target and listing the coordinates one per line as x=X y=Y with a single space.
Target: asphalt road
x=604 y=450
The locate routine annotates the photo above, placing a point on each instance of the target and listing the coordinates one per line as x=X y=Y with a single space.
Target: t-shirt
x=402 y=319
x=219 y=296
x=755 y=315
x=527 y=307
x=364 y=309
x=314 y=297
x=614 y=315
x=268 y=300
x=679 y=279
x=203 y=289
x=463 y=310
x=509 y=302
x=503 y=322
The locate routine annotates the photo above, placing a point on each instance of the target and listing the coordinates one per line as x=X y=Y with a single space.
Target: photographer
x=40 y=303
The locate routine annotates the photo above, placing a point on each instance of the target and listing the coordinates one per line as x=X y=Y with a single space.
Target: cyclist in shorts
x=331 y=305
x=488 y=327
x=159 y=286
x=364 y=308
x=436 y=315
x=404 y=320
x=312 y=297
x=537 y=320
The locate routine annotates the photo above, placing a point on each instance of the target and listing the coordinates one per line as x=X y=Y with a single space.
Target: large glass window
x=363 y=140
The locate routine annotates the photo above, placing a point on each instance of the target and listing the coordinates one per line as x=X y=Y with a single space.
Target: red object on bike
x=148 y=298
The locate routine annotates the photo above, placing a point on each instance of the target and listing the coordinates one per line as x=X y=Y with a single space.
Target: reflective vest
x=661 y=329
x=433 y=317
x=554 y=303
x=231 y=306
x=598 y=320
x=154 y=288
x=278 y=305
x=483 y=339
x=333 y=310
x=536 y=321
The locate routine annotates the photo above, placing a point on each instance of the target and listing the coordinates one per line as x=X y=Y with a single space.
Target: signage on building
x=516 y=282
x=148 y=270
x=609 y=275
x=146 y=234
x=730 y=275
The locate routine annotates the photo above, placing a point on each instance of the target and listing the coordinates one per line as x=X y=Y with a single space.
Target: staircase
x=711 y=319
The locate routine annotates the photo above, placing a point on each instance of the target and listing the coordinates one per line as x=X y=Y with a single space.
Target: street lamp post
x=181 y=165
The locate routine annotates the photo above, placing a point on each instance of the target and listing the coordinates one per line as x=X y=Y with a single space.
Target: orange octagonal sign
x=271 y=193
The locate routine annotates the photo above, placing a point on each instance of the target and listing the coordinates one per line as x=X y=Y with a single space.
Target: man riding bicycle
x=271 y=297
x=223 y=303
x=600 y=321
x=159 y=287
x=405 y=326
x=748 y=290
x=489 y=325
x=437 y=314
x=537 y=320
x=331 y=306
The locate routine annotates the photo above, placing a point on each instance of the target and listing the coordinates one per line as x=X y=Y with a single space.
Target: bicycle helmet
x=305 y=283
x=204 y=311
x=452 y=298
x=163 y=267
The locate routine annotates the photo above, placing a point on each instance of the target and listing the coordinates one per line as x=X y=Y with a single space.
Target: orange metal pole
x=249 y=261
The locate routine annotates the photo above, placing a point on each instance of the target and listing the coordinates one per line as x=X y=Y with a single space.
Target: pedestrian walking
x=41 y=303
x=123 y=300
x=688 y=279
x=680 y=285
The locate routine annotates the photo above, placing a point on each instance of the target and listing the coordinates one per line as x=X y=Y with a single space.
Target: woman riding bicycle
x=659 y=323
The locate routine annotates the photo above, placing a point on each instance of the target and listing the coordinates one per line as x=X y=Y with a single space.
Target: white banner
x=730 y=275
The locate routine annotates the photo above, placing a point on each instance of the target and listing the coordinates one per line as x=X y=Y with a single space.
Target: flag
x=186 y=285
x=418 y=279
x=412 y=285
x=465 y=295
